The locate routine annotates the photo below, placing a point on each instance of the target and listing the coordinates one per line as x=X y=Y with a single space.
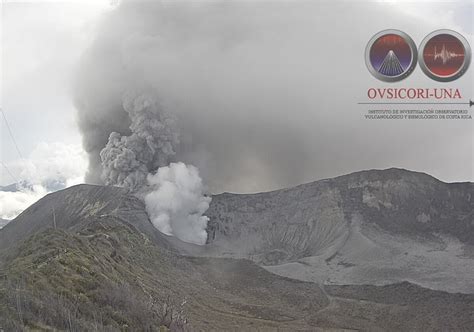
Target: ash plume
x=127 y=160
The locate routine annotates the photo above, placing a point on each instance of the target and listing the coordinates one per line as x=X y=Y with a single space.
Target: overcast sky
x=309 y=58
x=41 y=44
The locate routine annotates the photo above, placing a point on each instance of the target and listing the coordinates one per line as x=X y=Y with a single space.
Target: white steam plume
x=177 y=203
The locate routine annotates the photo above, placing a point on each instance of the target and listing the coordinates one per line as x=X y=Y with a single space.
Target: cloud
x=13 y=203
x=42 y=42
x=54 y=166
x=50 y=167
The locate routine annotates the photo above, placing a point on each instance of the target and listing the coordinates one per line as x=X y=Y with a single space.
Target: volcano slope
x=87 y=258
x=372 y=227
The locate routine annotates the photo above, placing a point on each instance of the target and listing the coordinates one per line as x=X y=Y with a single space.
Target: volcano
x=374 y=250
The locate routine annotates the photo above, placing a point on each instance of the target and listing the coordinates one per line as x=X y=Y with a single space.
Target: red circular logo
x=445 y=55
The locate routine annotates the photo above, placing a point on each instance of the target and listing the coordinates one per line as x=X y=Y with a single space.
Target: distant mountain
x=3 y=222
x=10 y=188
x=88 y=258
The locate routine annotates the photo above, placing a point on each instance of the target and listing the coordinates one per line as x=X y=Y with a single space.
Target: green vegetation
x=86 y=281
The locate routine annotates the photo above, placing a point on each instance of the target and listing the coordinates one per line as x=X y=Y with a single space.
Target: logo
x=444 y=55
x=391 y=55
